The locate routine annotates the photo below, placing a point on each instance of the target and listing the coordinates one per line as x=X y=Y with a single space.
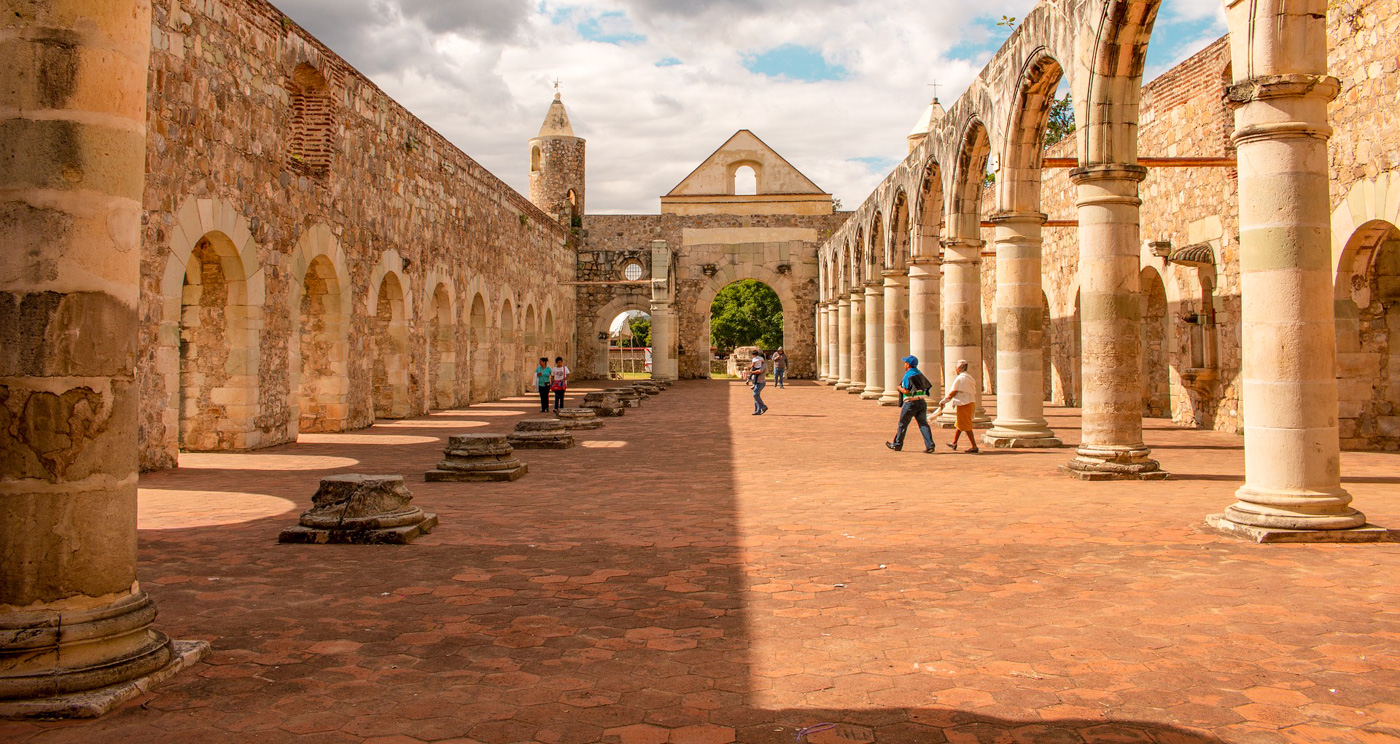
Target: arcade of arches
x=1227 y=265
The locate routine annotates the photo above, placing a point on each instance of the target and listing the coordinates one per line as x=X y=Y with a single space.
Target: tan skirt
x=965 y=416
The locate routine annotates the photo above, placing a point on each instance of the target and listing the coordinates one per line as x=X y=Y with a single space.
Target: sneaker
x=929 y=451
x=893 y=446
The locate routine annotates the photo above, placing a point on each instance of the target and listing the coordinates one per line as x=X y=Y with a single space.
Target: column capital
x=842 y=300
x=1108 y=172
x=874 y=289
x=1296 y=85
x=963 y=243
x=895 y=277
x=924 y=270
x=857 y=291
x=1010 y=216
x=925 y=261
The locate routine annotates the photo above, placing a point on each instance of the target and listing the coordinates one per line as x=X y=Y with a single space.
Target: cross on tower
x=934 y=85
x=556 y=83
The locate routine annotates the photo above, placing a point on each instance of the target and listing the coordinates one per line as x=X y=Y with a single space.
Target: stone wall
x=293 y=210
x=710 y=251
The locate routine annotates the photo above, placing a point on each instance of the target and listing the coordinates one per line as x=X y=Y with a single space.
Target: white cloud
x=480 y=72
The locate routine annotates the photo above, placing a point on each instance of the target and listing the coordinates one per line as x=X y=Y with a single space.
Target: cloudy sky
x=657 y=85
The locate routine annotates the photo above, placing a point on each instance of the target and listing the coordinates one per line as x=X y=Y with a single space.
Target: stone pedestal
x=579 y=419
x=604 y=403
x=857 y=385
x=477 y=458
x=76 y=635
x=1020 y=420
x=1111 y=320
x=540 y=434
x=628 y=397
x=361 y=509
x=874 y=342
x=646 y=389
x=896 y=333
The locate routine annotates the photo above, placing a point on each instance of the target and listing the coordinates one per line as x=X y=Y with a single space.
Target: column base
x=1021 y=434
x=1366 y=533
x=1104 y=463
x=98 y=702
x=871 y=393
x=856 y=389
x=842 y=385
x=887 y=399
x=950 y=421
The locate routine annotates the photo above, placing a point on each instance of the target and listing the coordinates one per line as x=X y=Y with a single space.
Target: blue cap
x=911 y=360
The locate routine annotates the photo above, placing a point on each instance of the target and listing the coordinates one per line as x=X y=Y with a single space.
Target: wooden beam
x=1173 y=162
x=1048 y=223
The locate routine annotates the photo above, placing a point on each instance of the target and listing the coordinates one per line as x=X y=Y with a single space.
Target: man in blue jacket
x=913 y=390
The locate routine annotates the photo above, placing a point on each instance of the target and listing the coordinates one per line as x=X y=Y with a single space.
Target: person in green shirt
x=542 y=381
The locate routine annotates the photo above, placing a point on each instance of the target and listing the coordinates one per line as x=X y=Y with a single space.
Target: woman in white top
x=962 y=393
x=558 y=382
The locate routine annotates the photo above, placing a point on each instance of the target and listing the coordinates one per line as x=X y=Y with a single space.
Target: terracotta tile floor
x=694 y=574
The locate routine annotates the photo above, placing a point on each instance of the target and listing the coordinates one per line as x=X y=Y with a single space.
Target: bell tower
x=557 y=167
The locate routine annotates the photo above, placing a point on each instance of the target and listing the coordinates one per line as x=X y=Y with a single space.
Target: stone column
x=925 y=316
x=896 y=333
x=843 y=343
x=1292 y=489
x=833 y=343
x=1020 y=420
x=664 y=342
x=962 y=318
x=75 y=626
x=858 y=342
x=874 y=342
x=821 y=342
x=1110 y=315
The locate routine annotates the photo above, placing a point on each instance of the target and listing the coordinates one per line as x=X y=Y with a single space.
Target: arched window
x=535 y=159
x=745 y=181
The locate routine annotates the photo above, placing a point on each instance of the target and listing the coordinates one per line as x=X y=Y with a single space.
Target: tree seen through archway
x=746 y=313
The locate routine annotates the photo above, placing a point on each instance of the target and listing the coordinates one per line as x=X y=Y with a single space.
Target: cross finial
x=556 y=83
x=934 y=85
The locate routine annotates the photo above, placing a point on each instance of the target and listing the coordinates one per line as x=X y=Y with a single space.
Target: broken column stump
x=477 y=458
x=629 y=397
x=579 y=418
x=647 y=388
x=604 y=403
x=362 y=509
x=540 y=434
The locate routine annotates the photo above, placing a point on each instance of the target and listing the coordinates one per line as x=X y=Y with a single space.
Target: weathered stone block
x=579 y=418
x=541 y=434
x=365 y=509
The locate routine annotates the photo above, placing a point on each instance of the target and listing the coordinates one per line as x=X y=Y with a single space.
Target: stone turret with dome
x=927 y=121
x=557 y=167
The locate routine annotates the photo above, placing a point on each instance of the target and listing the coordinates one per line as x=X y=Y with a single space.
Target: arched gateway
x=709 y=234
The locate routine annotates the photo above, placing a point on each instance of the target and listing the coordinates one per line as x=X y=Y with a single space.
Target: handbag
x=558 y=385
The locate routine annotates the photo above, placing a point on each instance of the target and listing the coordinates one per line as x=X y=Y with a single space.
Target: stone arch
x=1368 y=338
x=389 y=343
x=930 y=212
x=478 y=329
x=506 y=345
x=1019 y=178
x=222 y=226
x=531 y=328
x=897 y=245
x=969 y=178
x=1107 y=107
x=548 y=331
x=780 y=283
x=442 y=347
x=598 y=334
x=319 y=347
x=1156 y=366
x=731 y=175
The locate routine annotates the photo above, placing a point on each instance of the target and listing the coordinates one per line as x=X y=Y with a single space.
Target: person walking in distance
x=757 y=373
x=962 y=393
x=913 y=392
x=559 y=382
x=779 y=362
x=543 y=379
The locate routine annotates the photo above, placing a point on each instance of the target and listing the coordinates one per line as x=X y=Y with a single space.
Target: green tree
x=641 y=330
x=746 y=313
x=1061 y=123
